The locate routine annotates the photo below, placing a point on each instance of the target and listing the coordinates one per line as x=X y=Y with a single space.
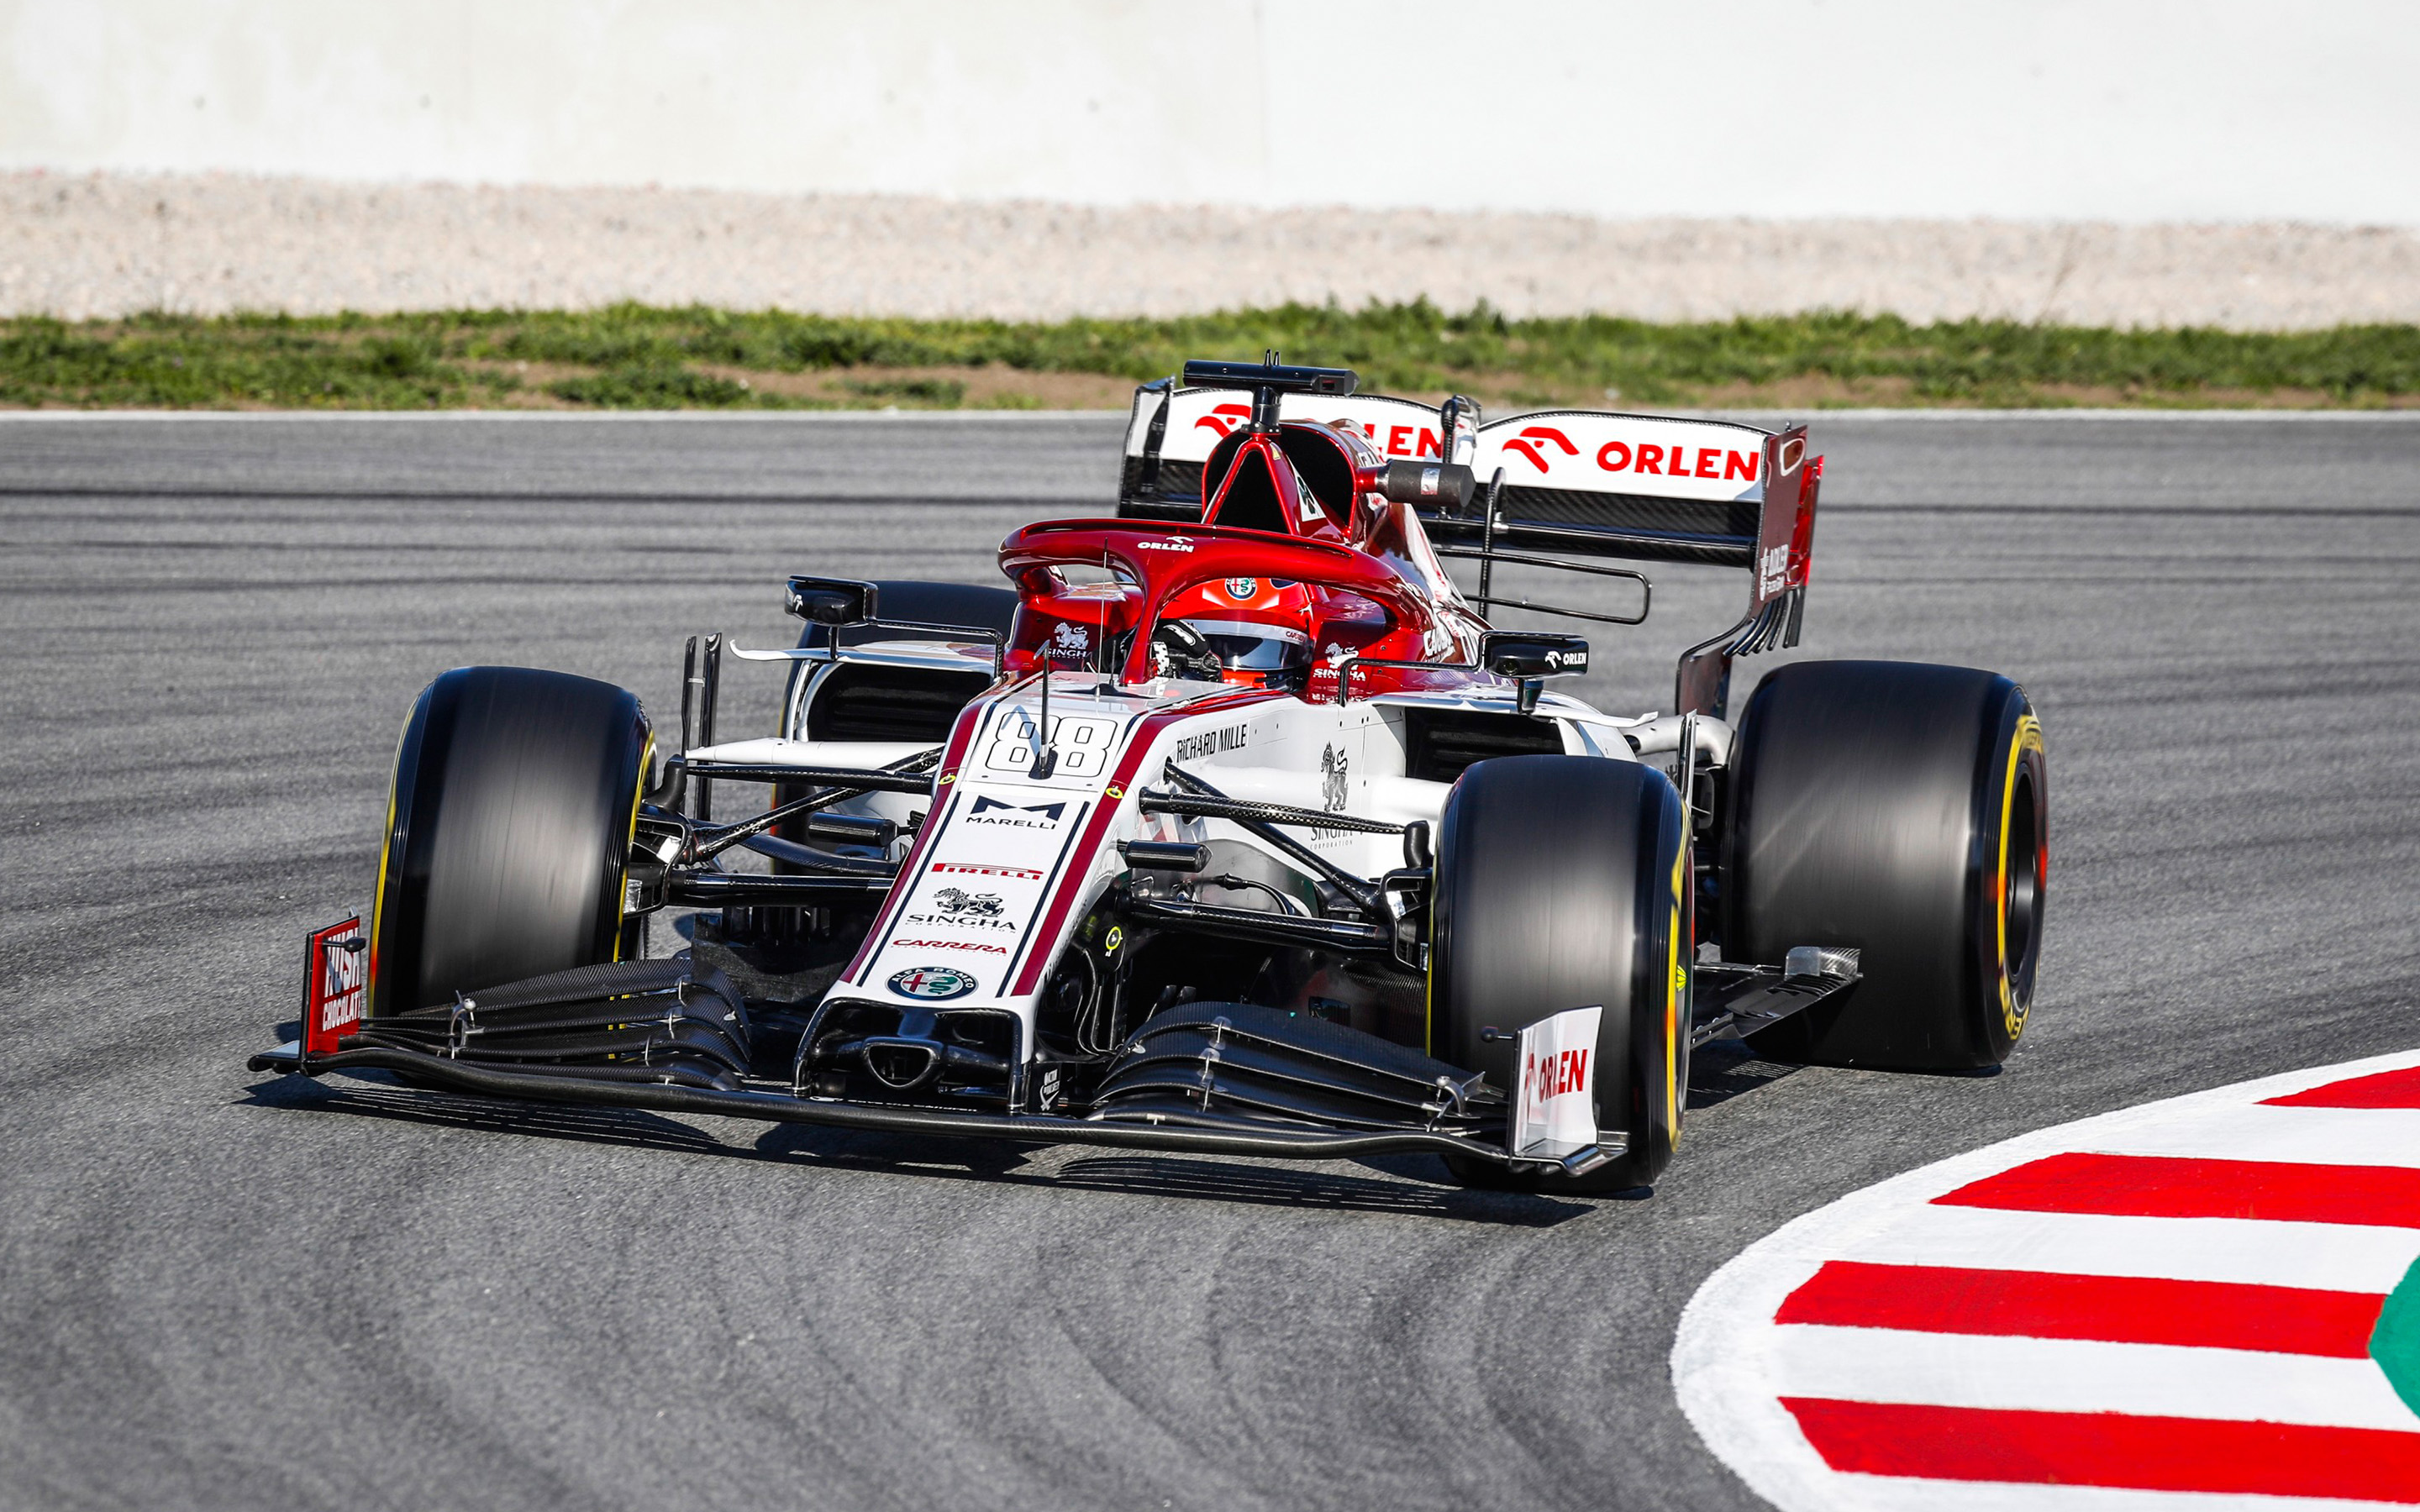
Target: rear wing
x=1655 y=488
x=1549 y=487
x=1171 y=431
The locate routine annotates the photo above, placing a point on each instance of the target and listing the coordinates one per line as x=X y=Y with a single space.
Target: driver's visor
x=1249 y=645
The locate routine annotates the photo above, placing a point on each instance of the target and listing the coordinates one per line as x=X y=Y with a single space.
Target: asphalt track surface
x=221 y=1289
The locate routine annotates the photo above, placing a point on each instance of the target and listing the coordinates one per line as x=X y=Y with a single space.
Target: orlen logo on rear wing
x=1584 y=483
x=1653 y=489
x=1200 y=419
x=1627 y=454
x=1172 y=432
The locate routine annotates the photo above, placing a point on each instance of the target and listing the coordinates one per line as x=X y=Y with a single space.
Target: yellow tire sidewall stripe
x=629 y=841
x=1676 y=987
x=386 y=849
x=2028 y=737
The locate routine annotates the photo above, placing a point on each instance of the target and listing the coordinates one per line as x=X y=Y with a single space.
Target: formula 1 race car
x=1230 y=825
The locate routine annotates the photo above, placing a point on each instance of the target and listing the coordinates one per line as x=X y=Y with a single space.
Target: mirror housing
x=831 y=602
x=1527 y=654
x=1529 y=657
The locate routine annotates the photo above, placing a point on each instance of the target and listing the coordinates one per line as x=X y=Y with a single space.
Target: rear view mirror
x=1523 y=655
x=832 y=601
x=1530 y=657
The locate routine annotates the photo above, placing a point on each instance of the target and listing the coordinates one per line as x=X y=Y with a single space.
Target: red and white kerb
x=2211 y=1302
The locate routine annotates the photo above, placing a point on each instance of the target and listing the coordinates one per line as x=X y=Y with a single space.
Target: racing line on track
x=2215 y=1294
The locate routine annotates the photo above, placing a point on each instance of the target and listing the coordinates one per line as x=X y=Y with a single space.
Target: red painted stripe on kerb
x=2384 y=1090
x=2114 y=1309
x=2164 y=1186
x=2152 y=1454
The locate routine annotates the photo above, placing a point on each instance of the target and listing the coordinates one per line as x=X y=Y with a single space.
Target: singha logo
x=1071 y=641
x=975 y=904
x=1333 y=778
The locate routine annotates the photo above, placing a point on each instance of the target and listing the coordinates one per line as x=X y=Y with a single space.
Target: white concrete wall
x=2115 y=109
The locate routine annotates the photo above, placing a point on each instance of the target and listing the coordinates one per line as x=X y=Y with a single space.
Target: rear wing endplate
x=1653 y=489
x=1657 y=488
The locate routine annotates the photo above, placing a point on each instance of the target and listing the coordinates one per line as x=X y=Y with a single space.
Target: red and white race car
x=1229 y=824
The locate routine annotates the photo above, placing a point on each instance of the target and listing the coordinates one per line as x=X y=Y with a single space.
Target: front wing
x=1201 y=1132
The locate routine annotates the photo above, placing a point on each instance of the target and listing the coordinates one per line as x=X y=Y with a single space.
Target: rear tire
x=1902 y=810
x=1561 y=881
x=508 y=833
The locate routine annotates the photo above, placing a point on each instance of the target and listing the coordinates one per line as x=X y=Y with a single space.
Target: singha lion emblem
x=981 y=905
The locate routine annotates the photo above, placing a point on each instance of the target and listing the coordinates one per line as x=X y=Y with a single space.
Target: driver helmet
x=1249 y=649
x=1255 y=627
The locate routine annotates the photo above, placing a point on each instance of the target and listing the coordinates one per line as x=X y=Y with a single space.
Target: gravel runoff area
x=109 y=245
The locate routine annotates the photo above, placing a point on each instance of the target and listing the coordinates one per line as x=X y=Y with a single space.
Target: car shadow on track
x=1726 y=1068
x=451 y=1110
x=966 y=1160
x=1307 y=1187
x=1207 y=1180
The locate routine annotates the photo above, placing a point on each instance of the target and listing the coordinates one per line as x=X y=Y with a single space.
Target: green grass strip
x=636 y=355
x=2395 y=1344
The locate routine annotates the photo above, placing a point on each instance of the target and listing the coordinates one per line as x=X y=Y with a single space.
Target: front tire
x=508 y=834
x=1562 y=881
x=1902 y=810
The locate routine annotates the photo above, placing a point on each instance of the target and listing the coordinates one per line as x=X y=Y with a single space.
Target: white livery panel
x=1200 y=419
x=1011 y=863
x=1589 y=451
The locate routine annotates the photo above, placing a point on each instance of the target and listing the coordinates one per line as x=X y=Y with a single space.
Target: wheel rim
x=2021 y=888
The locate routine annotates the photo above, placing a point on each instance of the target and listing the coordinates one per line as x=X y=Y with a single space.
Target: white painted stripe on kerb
x=2322 y=1257
x=1882 y=1365
x=2322 y=1136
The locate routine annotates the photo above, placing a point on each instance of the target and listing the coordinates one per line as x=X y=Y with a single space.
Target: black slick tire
x=1902 y=810
x=508 y=833
x=1562 y=881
